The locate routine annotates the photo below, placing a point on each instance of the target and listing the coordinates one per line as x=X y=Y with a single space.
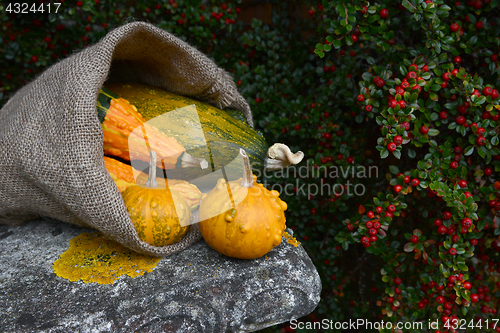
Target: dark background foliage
x=407 y=87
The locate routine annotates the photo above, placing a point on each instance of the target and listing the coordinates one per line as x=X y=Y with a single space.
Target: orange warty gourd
x=249 y=229
x=123 y=176
x=160 y=216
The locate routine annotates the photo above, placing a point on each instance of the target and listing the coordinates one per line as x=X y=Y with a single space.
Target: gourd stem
x=247 y=170
x=152 y=171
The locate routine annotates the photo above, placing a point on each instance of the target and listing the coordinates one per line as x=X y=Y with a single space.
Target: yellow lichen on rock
x=93 y=258
x=290 y=239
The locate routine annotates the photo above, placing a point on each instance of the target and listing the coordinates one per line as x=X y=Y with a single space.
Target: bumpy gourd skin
x=249 y=230
x=154 y=214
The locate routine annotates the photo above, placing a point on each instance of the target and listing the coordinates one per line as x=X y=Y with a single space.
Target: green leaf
x=433 y=132
x=337 y=44
x=394 y=169
x=469 y=150
x=409 y=247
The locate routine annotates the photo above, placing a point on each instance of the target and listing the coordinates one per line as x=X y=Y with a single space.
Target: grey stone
x=196 y=290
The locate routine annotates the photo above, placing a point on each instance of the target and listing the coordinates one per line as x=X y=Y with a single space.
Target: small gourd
x=248 y=222
x=160 y=216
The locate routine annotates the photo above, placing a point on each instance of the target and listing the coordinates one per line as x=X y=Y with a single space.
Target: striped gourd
x=224 y=133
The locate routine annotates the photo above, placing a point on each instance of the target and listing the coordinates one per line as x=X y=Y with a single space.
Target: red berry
x=415 y=182
x=443 y=115
x=487 y=91
x=412 y=67
x=34 y=58
x=457 y=60
x=402 y=104
x=440 y=299
x=454 y=165
x=474 y=298
x=379 y=210
x=446 y=215
x=384 y=13
x=462 y=109
x=397 y=189
x=297 y=127
x=466 y=222
x=411 y=75
x=460 y=120
x=424 y=129
x=391 y=208
x=380 y=83
x=360 y=98
x=437 y=222
x=79 y=3
x=414 y=239
x=446 y=76
x=481 y=140
x=391 y=146
x=442 y=230
x=479 y=25
x=397 y=140
x=454 y=27
x=368 y=108
x=392 y=103
x=452 y=251
x=488 y=171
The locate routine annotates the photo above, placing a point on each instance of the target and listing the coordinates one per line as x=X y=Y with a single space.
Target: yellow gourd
x=160 y=216
x=246 y=230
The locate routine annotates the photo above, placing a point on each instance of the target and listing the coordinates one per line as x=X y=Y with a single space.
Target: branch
x=415 y=8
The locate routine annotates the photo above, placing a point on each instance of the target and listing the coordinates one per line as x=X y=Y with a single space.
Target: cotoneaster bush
x=395 y=104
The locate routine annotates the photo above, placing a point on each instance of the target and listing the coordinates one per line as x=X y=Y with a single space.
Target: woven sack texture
x=51 y=155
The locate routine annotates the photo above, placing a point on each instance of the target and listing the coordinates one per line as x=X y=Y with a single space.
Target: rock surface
x=196 y=290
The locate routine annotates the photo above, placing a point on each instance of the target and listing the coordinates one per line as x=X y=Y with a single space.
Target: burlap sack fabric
x=51 y=155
